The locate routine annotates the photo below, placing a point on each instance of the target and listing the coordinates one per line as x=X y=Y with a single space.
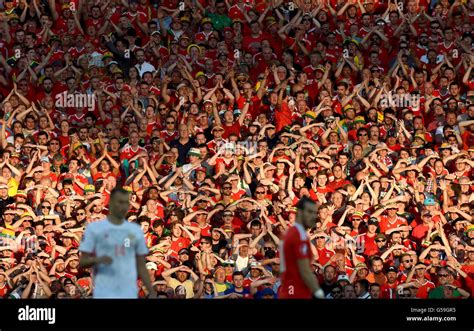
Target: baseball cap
x=392 y=269
x=357 y=214
x=228 y=262
x=217 y=127
x=373 y=221
x=429 y=202
x=68 y=281
x=228 y=212
x=89 y=188
x=151 y=266
x=445 y=146
x=359 y=119
x=380 y=236
x=420 y=136
x=194 y=152
x=181 y=86
x=362 y=266
x=310 y=114
x=342 y=278
x=254 y=265
x=107 y=55
x=183 y=251
x=268 y=166
x=199 y=74
x=206 y=20
x=202 y=169
x=21 y=193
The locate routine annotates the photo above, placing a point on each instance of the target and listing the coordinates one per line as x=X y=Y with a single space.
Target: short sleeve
x=88 y=240
x=140 y=247
x=301 y=249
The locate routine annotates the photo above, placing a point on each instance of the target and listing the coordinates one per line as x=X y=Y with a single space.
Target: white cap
x=151 y=266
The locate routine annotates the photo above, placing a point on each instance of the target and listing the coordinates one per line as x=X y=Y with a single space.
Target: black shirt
x=182 y=149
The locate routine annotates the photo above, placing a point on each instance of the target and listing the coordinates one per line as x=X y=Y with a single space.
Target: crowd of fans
x=218 y=116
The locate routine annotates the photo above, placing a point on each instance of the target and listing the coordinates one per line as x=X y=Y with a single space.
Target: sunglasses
x=362 y=134
x=312 y=168
x=169 y=122
x=443 y=275
x=407 y=261
x=45 y=207
x=320 y=237
x=226 y=188
x=381 y=240
x=259 y=192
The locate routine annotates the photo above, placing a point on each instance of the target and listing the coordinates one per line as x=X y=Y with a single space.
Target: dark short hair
x=118 y=190
x=303 y=201
x=255 y=223
x=364 y=283
x=373 y=285
x=207 y=239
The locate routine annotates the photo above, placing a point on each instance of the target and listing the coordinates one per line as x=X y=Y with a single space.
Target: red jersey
x=295 y=246
x=127 y=152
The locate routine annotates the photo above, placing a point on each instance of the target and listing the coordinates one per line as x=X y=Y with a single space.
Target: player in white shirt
x=116 y=250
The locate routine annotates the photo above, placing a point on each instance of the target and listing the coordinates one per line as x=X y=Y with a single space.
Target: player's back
x=122 y=243
x=295 y=246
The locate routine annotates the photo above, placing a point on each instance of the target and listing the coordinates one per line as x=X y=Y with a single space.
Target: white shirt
x=241 y=263
x=122 y=243
x=144 y=67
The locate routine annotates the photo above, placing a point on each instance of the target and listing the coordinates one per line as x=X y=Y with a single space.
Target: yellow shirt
x=12 y=187
x=188 y=286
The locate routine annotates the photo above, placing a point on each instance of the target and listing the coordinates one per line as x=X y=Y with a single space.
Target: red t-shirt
x=385 y=224
x=179 y=243
x=295 y=247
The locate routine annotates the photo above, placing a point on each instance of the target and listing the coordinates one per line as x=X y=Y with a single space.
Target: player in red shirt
x=297 y=280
